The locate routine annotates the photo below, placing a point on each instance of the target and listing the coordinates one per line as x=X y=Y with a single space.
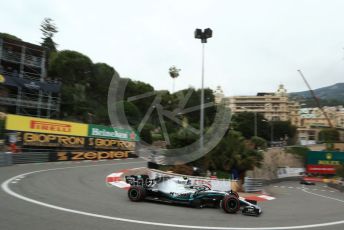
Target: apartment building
x=24 y=86
x=274 y=106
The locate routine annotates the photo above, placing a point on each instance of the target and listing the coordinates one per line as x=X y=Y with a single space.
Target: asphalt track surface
x=75 y=196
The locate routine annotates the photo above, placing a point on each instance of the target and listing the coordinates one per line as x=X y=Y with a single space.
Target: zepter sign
x=172 y=156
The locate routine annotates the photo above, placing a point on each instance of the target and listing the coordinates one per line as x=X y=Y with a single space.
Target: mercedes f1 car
x=178 y=190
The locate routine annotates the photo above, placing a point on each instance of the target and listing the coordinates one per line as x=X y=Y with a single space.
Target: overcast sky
x=256 y=45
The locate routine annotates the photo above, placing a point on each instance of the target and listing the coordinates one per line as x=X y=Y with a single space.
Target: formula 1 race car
x=177 y=190
x=306 y=182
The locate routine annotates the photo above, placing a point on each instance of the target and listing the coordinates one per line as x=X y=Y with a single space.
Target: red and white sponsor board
x=322 y=169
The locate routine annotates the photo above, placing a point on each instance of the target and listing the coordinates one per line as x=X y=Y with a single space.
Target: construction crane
x=317 y=101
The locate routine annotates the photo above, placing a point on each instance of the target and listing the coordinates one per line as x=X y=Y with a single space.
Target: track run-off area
x=76 y=196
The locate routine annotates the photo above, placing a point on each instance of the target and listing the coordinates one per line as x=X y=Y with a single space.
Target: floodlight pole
x=202 y=104
x=203 y=35
x=255 y=124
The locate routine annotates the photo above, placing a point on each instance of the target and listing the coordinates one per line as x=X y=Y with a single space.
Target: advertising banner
x=90 y=155
x=29 y=84
x=40 y=125
x=77 y=142
x=325 y=158
x=321 y=169
x=112 y=133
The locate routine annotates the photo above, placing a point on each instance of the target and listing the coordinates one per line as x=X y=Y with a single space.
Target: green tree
x=258 y=142
x=233 y=152
x=183 y=137
x=244 y=123
x=329 y=135
x=299 y=151
x=283 y=129
x=9 y=36
x=48 y=29
x=146 y=134
x=75 y=71
x=340 y=170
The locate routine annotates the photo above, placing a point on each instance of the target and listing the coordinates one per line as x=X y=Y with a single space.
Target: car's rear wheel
x=136 y=193
x=230 y=204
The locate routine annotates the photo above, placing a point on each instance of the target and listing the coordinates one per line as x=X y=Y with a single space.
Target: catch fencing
x=253 y=184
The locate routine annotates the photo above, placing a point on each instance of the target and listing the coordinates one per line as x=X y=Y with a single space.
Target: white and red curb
x=115 y=179
x=260 y=198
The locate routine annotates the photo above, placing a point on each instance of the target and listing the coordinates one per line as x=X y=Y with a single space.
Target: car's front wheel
x=136 y=193
x=230 y=204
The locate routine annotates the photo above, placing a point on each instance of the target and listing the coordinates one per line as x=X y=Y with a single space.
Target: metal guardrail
x=32 y=157
x=253 y=184
x=5 y=159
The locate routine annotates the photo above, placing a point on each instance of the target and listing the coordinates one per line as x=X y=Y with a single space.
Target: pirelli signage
x=40 y=125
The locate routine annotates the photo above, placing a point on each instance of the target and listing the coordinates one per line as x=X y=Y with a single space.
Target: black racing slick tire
x=136 y=193
x=231 y=204
x=234 y=194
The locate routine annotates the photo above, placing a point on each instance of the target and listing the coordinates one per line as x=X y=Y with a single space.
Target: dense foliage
x=299 y=151
x=329 y=135
x=268 y=130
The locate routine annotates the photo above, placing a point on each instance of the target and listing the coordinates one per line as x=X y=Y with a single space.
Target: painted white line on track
x=328 y=197
x=6 y=188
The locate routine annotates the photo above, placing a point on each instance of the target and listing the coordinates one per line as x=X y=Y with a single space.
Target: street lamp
x=203 y=35
x=174 y=73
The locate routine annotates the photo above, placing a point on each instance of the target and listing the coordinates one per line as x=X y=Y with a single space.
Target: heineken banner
x=112 y=133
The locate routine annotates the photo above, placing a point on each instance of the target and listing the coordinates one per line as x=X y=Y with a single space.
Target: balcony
x=11 y=56
x=27 y=102
x=29 y=60
x=33 y=60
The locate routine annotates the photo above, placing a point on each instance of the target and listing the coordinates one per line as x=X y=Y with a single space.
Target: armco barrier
x=5 y=159
x=253 y=184
x=30 y=157
x=278 y=180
